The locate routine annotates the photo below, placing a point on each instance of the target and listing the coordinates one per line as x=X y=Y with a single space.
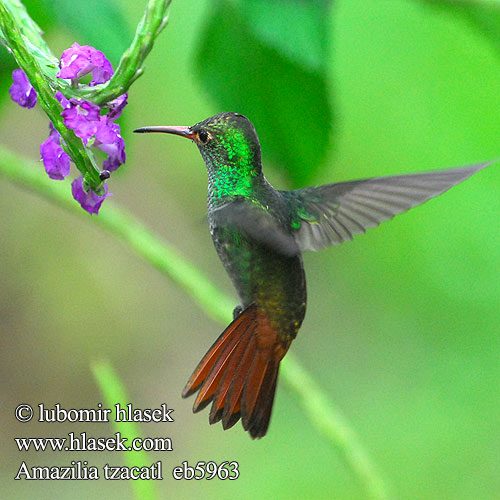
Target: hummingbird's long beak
x=182 y=131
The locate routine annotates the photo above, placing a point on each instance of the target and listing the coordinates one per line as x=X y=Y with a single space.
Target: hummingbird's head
x=227 y=142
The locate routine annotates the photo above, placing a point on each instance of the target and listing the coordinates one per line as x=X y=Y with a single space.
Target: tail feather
x=205 y=365
x=260 y=420
x=252 y=389
x=227 y=381
x=211 y=383
x=239 y=372
x=232 y=407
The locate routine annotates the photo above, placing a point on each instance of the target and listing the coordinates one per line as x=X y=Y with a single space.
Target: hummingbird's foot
x=237 y=311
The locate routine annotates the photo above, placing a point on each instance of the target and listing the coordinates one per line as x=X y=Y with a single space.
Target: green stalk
x=131 y=65
x=322 y=414
x=23 y=38
x=114 y=392
x=17 y=42
x=33 y=38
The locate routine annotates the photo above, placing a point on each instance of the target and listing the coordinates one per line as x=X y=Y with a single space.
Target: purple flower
x=60 y=97
x=82 y=117
x=79 y=60
x=21 y=90
x=113 y=161
x=55 y=160
x=116 y=106
x=109 y=140
x=90 y=201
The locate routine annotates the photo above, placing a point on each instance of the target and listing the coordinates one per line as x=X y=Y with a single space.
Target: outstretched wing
x=333 y=213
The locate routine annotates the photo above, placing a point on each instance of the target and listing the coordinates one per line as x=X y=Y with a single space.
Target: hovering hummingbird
x=259 y=233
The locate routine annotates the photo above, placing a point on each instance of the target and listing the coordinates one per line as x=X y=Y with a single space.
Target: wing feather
x=333 y=213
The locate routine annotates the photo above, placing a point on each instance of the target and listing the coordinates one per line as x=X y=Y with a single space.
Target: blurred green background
x=402 y=329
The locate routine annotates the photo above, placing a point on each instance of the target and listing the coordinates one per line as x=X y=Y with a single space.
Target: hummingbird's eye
x=203 y=136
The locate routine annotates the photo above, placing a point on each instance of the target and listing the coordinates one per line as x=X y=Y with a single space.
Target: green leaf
x=297 y=28
x=99 y=23
x=482 y=15
x=288 y=102
x=42 y=12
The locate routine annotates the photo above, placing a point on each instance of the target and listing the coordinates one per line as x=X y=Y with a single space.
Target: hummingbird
x=259 y=233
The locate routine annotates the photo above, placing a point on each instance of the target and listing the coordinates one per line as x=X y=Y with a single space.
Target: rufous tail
x=238 y=374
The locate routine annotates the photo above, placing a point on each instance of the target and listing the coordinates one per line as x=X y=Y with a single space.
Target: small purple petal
x=53 y=131
x=101 y=73
x=90 y=201
x=109 y=140
x=64 y=102
x=79 y=60
x=55 y=160
x=112 y=162
x=21 y=90
x=75 y=62
x=105 y=133
x=116 y=107
x=82 y=117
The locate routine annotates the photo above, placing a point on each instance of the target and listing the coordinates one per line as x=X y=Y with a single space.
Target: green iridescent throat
x=232 y=165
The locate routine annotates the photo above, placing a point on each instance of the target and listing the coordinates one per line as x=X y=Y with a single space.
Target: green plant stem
x=33 y=38
x=131 y=65
x=332 y=424
x=23 y=38
x=16 y=41
x=320 y=411
x=114 y=392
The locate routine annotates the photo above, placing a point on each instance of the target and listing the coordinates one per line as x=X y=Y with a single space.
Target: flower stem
x=23 y=39
x=131 y=64
x=33 y=38
x=13 y=33
x=114 y=393
x=322 y=414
